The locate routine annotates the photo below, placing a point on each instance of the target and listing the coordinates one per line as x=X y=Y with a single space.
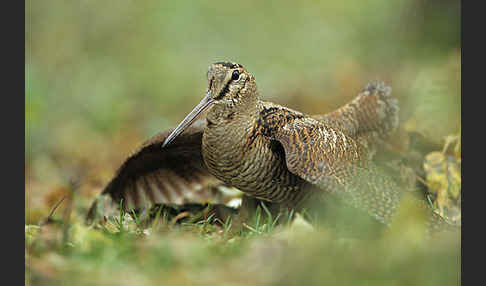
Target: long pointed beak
x=205 y=103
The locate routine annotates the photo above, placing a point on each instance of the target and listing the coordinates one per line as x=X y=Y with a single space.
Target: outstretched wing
x=371 y=116
x=174 y=174
x=339 y=165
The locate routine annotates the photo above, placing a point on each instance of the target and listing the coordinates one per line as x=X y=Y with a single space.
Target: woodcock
x=268 y=151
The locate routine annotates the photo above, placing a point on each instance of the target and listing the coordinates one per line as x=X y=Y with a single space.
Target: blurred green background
x=102 y=76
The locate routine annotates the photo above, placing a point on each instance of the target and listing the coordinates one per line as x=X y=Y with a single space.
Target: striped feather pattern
x=172 y=175
x=370 y=117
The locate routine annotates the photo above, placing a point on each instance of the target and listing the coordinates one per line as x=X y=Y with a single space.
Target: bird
x=268 y=151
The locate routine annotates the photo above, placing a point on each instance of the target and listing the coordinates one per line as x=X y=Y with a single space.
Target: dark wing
x=174 y=174
x=338 y=165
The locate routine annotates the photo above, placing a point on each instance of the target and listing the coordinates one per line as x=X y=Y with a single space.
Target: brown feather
x=268 y=151
x=172 y=175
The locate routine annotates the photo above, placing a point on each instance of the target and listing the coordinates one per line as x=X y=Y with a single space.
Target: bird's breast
x=252 y=163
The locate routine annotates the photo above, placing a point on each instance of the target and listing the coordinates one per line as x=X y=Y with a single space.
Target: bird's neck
x=233 y=116
x=228 y=130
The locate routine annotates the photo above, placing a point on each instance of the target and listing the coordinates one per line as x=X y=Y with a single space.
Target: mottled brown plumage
x=268 y=151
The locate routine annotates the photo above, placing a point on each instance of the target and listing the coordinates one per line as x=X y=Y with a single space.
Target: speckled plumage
x=281 y=155
x=269 y=151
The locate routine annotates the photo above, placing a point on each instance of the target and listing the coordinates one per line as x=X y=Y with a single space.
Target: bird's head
x=230 y=83
x=231 y=89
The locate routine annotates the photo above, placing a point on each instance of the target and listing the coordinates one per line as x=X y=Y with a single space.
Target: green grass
x=126 y=250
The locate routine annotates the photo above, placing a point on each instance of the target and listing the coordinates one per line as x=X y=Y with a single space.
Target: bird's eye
x=235 y=75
